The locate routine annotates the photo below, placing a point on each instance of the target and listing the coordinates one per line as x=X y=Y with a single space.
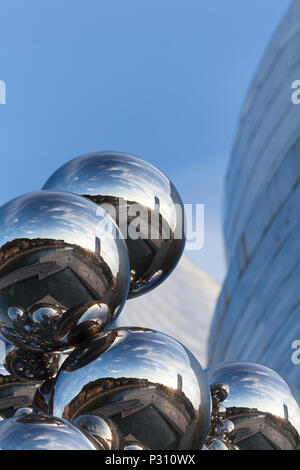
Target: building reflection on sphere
x=129 y=187
x=147 y=383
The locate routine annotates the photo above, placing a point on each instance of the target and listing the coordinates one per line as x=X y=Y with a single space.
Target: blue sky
x=161 y=79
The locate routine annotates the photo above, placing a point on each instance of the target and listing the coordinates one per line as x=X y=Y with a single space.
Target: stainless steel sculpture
x=37 y=432
x=63 y=274
x=138 y=196
x=66 y=380
x=147 y=383
x=259 y=405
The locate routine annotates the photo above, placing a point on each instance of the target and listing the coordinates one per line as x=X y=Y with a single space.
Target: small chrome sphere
x=36 y=432
x=147 y=383
x=23 y=411
x=134 y=447
x=144 y=203
x=64 y=270
x=260 y=407
x=218 y=444
x=225 y=429
x=102 y=429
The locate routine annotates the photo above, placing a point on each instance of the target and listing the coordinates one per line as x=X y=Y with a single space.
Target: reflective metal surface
x=63 y=274
x=134 y=447
x=30 y=365
x=226 y=429
x=23 y=411
x=219 y=444
x=259 y=404
x=102 y=429
x=147 y=383
x=35 y=432
x=221 y=434
x=15 y=392
x=137 y=195
x=41 y=397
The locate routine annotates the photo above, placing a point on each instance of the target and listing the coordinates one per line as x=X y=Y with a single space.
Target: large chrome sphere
x=63 y=272
x=147 y=383
x=144 y=203
x=259 y=404
x=37 y=432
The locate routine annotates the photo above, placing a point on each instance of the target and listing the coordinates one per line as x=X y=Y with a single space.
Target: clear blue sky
x=162 y=79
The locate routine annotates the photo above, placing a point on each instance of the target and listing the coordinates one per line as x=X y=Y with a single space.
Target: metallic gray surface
x=134 y=447
x=112 y=178
x=23 y=411
x=15 y=392
x=35 y=432
x=260 y=405
x=28 y=365
x=42 y=396
x=218 y=444
x=147 y=383
x=102 y=429
x=222 y=431
x=63 y=276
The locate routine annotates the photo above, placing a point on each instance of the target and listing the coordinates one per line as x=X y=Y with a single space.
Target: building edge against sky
x=257 y=317
x=182 y=307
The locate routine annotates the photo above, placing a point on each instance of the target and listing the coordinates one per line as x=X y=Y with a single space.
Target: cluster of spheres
x=108 y=227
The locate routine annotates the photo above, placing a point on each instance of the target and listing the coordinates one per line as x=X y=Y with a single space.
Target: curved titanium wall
x=257 y=316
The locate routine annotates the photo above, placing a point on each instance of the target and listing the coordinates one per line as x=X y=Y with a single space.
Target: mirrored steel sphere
x=36 y=432
x=147 y=383
x=226 y=429
x=260 y=407
x=134 y=447
x=64 y=273
x=23 y=411
x=218 y=444
x=144 y=203
x=102 y=429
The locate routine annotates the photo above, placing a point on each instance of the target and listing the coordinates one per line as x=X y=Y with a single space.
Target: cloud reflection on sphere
x=260 y=404
x=63 y=274
x=158 y=377
x=37 y=432
x=119 y=180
